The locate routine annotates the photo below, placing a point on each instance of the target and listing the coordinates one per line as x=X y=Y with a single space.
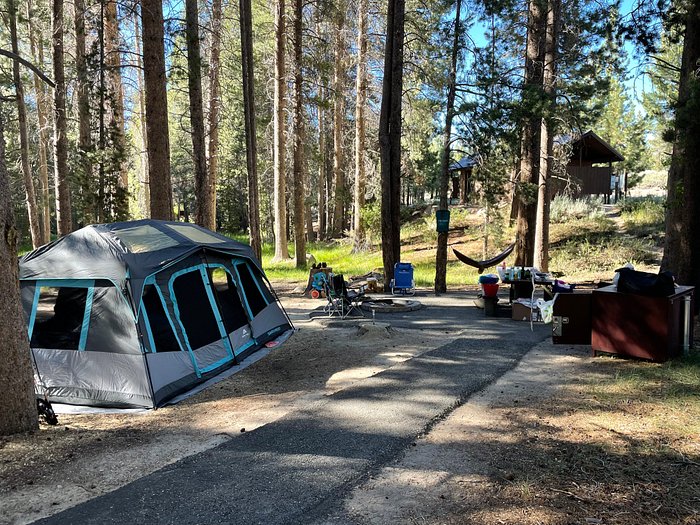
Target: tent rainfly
x=128 y=315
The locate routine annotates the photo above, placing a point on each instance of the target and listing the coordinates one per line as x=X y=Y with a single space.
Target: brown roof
x=590 y=147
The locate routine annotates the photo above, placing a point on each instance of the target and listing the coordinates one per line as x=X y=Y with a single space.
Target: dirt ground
x=525 y=450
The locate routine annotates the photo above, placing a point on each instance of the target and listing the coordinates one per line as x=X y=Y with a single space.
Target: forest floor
x=563 y=438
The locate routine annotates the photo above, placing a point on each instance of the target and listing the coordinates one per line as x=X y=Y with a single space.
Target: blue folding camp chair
x=403 y=282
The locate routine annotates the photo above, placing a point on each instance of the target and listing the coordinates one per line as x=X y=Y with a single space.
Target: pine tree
x=18 y=403
x=390 y=138
x=64 y=219
x=280 y=217
x=156 y=110
x=298 y=131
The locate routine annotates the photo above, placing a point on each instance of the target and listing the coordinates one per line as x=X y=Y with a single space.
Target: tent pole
x=143 y=349
x=274 y=292
x=203 y=258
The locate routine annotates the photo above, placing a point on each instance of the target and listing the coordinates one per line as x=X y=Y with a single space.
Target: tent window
x=111 y=326
x=145 y=238
x=229 y=303
x=196 y=234
x=59 y=318
x=161 y=330
x=269 y=298
x=196 y=314
x=252 y=290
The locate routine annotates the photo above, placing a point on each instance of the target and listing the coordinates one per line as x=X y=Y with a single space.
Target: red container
x=490 y=290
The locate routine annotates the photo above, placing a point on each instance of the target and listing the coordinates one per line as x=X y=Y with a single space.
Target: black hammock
x=482 y=265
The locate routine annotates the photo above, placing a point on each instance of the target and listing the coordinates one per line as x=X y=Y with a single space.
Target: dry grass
x=620 y=450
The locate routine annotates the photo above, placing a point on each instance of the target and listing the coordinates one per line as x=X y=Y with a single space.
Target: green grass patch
x=337 y=255
x=341 y=258
x=644 y=216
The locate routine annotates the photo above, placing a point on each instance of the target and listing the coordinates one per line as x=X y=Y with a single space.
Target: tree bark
x=205 y=209
x=42 y=110
x=360 y=103
x=298 y=161
x=113 y=63
x=144 y=186
x=215 y=93
x=161 y=197
x=441 y=253
x=83 y=103
x=390 y=138
x=30 y=195
x=64 y=220
x=547 y=138
x=682 y=242
x=281 y=249
x=17 y=404
x=338 y=122
x=246 y=21
x=322 y=175
x=526 y=190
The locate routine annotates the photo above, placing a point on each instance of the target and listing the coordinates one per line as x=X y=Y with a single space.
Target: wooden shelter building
x=590 y=168
x=461 y=175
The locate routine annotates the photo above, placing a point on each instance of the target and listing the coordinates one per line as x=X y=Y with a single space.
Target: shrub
x=565 y=208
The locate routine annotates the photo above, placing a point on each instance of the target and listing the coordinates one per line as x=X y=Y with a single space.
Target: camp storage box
x=571 y=318
x=523 y=312
x=655 y=328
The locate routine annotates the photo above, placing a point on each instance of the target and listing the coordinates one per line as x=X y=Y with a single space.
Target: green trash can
x=443 y=221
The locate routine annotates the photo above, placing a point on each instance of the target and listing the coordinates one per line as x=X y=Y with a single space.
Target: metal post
x=688 y=318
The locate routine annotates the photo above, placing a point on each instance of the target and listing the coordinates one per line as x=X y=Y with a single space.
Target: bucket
x=490 y=290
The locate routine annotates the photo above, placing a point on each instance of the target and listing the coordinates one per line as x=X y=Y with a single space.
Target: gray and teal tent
x=128 y=314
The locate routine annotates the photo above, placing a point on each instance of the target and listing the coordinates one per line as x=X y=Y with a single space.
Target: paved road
x=298 y=469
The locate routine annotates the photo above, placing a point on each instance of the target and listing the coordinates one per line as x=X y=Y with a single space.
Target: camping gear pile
x=129 y=314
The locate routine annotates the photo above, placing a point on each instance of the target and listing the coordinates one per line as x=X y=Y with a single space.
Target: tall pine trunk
x=161 y=196
x=526 y=189
x=205 y=209
x=64 y=219
x=17 y=404
x=441 y=253
x=338 y=123
x=120 y=208
x=298 y=126
x=215 y=93
x=143 y=186
x=42 y=110
x=682 y=242
x=547 y=138
x=83 y=103
x=360 y=103
x=390 y=138
x=246 y=18
x=30 y=195
x=280 y=189
x=322 y=163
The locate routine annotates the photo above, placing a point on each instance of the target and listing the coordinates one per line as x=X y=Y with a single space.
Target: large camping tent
x=127 y=314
